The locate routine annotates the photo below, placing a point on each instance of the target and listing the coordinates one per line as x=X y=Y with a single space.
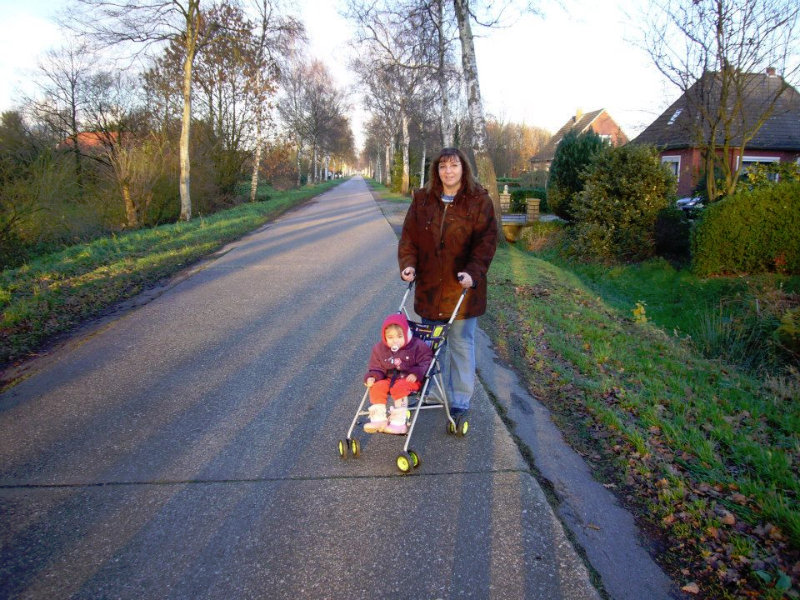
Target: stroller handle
x=455 y=310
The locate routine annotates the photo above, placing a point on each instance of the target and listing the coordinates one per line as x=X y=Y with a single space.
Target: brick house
x=91 y=142
x=778 y=139
x=598 y=121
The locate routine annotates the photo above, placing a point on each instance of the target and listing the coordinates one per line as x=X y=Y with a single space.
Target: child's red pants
x=401 y=388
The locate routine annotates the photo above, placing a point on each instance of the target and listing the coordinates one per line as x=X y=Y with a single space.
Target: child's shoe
x=398 y=416
x=377 y=419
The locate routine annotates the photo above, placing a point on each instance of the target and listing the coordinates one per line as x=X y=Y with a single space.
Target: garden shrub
x=616 y=213
x=519 y=195
x=752 y=231
x=574 y=154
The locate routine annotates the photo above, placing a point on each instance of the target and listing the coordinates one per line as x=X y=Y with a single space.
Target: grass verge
x=54 y=293
x=706 y=454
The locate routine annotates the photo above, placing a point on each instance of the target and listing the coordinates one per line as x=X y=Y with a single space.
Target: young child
x=397 y=365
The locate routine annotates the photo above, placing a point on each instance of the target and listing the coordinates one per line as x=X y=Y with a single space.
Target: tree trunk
x=446 y=124
x=483 y=161
x=406 y=166
x=299 y=165
x=190 y=40
x=131 y=215
x=259 y=143
x=387 y=176
x=422 y=166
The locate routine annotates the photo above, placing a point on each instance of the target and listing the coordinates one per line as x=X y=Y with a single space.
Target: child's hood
x=400 y=320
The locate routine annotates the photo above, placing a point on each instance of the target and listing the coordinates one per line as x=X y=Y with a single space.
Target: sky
x=538 y=71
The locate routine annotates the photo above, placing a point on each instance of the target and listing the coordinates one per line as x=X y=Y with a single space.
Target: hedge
x=753 y=231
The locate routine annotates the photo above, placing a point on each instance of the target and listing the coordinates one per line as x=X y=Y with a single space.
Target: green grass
x=54 y=293
x=386 y=193
x=731 y=318
x=682 y=427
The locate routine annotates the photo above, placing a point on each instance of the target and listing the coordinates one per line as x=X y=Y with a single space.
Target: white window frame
x=673 y=160
x=751 y=160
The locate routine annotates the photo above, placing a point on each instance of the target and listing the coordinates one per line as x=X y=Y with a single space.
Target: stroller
x=435 y=336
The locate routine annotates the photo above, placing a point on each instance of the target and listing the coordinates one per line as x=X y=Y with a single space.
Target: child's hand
x=369 y=382
x=411 y=378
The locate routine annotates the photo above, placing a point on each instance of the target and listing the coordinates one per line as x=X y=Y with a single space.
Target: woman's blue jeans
x=458 y=362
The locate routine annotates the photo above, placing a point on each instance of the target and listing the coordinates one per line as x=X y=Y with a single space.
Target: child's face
x=394 y=338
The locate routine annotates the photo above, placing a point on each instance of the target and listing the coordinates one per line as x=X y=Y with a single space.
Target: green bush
x=574 y=154
x=753 y=231
x=616 y=213
x=519 y=195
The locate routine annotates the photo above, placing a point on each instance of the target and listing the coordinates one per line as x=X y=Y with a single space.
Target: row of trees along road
x=186 y=85
x=234 y=59
x=411 y=78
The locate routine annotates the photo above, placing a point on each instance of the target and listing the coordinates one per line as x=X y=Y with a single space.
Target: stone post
x=505 y=201
x=532 y=209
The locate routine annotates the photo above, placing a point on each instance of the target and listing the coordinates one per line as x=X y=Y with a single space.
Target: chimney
x=771 y=71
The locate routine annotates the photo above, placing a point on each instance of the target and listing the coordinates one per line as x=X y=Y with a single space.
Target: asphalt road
x=188 y=448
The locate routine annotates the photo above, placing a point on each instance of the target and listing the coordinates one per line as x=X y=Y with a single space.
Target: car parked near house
x=689 y=203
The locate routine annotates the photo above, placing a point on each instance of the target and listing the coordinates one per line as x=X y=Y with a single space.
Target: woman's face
x=450 y=171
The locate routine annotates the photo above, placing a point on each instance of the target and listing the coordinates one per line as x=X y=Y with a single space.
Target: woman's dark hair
x=468 y=183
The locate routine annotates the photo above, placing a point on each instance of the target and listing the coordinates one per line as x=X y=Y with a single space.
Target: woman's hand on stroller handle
x=409 y=274
x=465 y=280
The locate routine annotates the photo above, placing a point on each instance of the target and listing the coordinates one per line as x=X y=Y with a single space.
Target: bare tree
x=483 y=161
x=274 y=39
x=312 y=108
x=512 y=144
x=292 y=110
x=144 y=23
x=389 y=63
x=711 y=50
x=65 y=76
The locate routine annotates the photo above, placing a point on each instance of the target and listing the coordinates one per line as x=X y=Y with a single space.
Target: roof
x=580 y=122
x=91 y=141
x=676 y=129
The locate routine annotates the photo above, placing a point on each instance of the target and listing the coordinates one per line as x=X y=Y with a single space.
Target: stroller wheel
x=451 y=428
x=404 y=462
x=462 y=426
x=342 y=449
x=415 y=461
x=355 y=447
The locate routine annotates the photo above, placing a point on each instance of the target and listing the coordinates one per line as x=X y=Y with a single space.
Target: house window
x=675 y=116
x=672 y=164
x=749 y=161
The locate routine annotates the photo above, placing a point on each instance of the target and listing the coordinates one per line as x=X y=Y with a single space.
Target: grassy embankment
x=701 y=449
x=56 y=292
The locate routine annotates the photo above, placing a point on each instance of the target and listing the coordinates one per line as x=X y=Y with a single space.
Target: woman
x=448 y=242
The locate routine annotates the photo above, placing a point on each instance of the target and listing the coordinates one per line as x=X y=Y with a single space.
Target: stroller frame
x=436 y=336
